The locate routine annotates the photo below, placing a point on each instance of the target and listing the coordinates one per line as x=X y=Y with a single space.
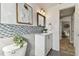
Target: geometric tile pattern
x=7 y=30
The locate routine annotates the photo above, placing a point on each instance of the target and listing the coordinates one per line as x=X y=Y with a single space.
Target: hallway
x=66 y=47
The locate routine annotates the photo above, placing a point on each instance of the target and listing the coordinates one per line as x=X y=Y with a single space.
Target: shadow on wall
x=28 y=49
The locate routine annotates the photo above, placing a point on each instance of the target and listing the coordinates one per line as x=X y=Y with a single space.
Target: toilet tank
x=13 y=50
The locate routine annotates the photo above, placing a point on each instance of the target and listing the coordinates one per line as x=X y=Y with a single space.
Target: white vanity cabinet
x=43 y=44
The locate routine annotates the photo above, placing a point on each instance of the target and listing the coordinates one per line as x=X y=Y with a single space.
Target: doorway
x=67 y=32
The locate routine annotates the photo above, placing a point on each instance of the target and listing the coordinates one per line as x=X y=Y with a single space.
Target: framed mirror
x=24 y=13
x=41 y=20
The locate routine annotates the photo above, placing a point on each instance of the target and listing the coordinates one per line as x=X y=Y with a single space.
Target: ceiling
x=64 y=12
x=67 y=12
x=46 y=5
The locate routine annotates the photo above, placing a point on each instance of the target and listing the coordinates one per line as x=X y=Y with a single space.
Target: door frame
x=60 y=24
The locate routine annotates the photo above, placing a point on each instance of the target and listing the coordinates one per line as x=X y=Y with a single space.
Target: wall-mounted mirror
x=41 y=20
x=24 y=13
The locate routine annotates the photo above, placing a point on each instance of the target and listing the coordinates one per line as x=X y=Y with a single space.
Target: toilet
x=13 y=50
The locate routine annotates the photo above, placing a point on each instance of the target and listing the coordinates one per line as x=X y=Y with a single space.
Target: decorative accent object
x=19 y=40
x=66 y=25
x=24 y=13
x=41 y=20
x=44 y=30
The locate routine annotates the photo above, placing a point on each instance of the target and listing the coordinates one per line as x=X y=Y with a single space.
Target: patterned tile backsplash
x=7 y=30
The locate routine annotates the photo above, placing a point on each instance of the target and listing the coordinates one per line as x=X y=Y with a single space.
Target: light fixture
x=42 y=11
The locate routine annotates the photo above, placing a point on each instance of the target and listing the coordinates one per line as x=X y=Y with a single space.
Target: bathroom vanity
x=43 y=44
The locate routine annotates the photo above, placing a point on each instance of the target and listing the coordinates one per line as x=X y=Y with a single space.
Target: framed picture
x=41 y=20
x=24 y=13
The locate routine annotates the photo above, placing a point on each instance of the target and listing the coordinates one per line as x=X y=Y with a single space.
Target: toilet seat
x=12 y=49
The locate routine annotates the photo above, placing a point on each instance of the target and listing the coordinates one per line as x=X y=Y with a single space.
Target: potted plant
x=44 y=30
x=19 y=40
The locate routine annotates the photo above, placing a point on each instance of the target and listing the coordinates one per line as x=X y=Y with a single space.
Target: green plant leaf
x=18 y=40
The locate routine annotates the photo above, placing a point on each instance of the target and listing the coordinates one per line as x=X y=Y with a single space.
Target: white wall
x=30 y=38
x=8 y=13
x=53 y=18
x=0 y=12
x=76 y=30
x=35 y=9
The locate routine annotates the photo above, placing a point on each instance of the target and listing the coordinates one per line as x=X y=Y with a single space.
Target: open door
x=67 y=32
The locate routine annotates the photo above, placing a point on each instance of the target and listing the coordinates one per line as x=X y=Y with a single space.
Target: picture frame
x=24 y=13
x=41 y=20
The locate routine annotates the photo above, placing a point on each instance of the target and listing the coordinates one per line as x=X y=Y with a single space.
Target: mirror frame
x=44 y=19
